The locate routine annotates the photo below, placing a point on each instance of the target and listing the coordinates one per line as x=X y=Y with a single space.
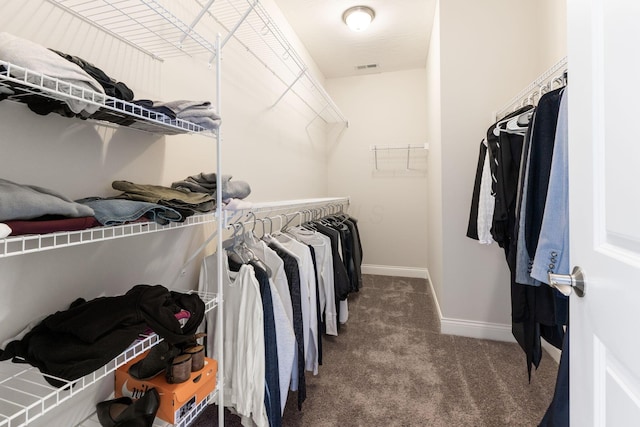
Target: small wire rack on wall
x=399 y=160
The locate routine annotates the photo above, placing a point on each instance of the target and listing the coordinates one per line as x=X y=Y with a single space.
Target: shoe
x=193 y=340
x=155 y=362
x=125 y=412
x=197 y=357
x=180 y=369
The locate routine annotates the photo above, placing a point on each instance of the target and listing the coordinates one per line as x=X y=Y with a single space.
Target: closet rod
x=268 y=208
x=560 y=66
x=286 y=218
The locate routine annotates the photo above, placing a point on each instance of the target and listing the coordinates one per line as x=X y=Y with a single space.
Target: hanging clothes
x=282 y=310
x=325 y=275
x=272 y=378
x=308 y=292
x=520 y=165
x=243 y=346
x=298 y=381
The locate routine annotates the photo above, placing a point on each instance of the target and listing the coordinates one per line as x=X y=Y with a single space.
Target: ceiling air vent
x=366 y=67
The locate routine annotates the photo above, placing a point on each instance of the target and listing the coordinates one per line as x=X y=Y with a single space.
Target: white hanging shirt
x=307 y=282
x=486 y=203
x=282 y=313
x=243 y=346
x=325 y=279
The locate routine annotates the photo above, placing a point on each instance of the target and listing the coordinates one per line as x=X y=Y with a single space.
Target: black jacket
x=73 y=343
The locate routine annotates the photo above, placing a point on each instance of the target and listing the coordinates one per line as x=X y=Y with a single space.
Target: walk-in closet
x=310 y=213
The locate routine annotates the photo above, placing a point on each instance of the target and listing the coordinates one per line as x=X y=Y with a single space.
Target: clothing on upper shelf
x=111 y=87
x=121 y=211
x=206 y=183
x=5 y=230
x=200 y=113
x=51 y=224
x=297 y=266
x=21 y=202
x=39 y=59
x=184 y=202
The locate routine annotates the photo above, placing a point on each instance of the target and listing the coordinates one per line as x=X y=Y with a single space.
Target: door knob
x=565 y=283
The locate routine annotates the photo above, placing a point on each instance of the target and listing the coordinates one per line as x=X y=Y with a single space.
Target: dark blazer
x=541 y=153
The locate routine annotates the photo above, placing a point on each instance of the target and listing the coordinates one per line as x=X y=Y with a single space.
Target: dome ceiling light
x=358 y=18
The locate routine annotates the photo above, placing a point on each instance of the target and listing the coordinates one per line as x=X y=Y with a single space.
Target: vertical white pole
x=221 y=223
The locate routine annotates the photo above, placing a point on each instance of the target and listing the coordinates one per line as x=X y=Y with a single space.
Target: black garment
x=272 y=377
x=505 y=151
x=292 y=272
x=73 y=343
x=111 y=86
x=472 y=227
x=340 y=276
x=356 y=252
x=557 y=414
x=537 y=311
x=534 y=317
x=542 y=142
x=321 y=326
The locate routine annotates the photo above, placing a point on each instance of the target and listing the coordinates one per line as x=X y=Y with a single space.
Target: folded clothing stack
x=183 y=202
x=206 y=183
x=200 y=113
x=32 y=56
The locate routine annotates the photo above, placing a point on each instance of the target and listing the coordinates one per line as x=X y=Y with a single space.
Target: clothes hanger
x=245 y=254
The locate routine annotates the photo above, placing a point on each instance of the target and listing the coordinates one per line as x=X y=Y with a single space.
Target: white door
x=604 y=170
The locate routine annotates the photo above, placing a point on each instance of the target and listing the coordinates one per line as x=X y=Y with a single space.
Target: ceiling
x=397 y=39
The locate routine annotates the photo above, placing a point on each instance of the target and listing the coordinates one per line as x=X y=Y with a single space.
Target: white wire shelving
x=151 y=27
x=19 y=83
x=26 y=396
x=30 y=243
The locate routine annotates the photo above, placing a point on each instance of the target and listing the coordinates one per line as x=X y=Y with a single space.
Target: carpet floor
x=390 y=366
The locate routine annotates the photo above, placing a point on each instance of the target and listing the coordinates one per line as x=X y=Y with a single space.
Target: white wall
x=434 y=166
x=262 y=145
x=390 y=203
x=481 y=66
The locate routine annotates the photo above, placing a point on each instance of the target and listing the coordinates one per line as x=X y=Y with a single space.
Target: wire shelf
x=19 y=84
x=19 y=245
x=250 y=24
x=26 y=396
x=152 y=28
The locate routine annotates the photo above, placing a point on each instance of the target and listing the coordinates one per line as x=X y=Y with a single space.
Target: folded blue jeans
x=120 y=211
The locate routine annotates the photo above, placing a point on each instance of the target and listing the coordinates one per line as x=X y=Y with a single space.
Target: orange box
x=176 y=400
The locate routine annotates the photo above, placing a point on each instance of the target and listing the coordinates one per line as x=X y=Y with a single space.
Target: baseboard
x=389 y=270
x=474 y=329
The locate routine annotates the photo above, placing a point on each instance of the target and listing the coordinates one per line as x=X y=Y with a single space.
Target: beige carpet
x=390 y=366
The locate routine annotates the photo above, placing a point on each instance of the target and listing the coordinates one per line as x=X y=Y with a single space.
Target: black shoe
x=155 y=362
x=124 y=412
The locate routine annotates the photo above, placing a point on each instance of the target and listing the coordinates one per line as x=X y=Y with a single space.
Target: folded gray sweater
x=19 y=201
x=35 y=57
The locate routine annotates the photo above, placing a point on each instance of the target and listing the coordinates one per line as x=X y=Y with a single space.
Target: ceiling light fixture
x=358 y=18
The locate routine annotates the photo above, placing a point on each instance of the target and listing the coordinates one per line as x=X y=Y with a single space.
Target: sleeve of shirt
x=552 y=253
